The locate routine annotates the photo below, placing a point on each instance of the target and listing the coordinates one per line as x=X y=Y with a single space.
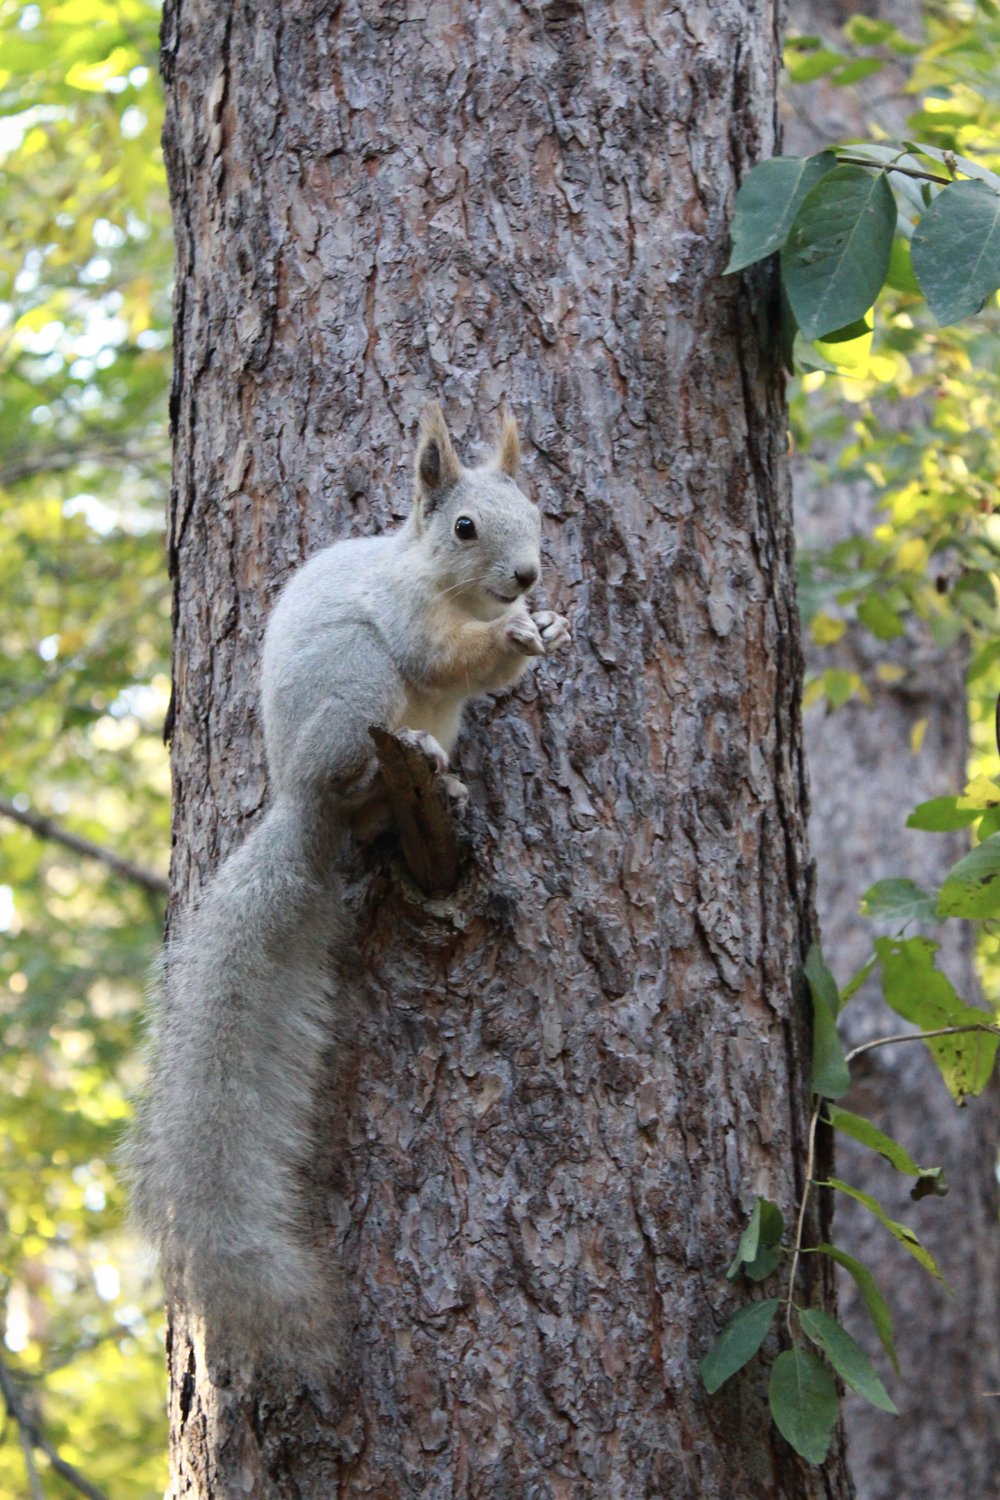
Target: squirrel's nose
x=526 y=576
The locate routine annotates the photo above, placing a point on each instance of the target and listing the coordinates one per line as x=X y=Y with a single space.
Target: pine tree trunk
x=565 y=1085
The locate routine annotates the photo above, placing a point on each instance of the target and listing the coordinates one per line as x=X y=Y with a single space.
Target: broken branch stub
x=424 y=806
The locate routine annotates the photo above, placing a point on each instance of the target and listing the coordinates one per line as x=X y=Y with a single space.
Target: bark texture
x=865 y=780
x=562 y=1086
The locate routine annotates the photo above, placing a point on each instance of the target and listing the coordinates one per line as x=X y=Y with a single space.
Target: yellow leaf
x=981 y=791
x=825 y=629
x=80 y=13
x=913 y=555
x=94 y=78
x=881 y=367
x=917 y=735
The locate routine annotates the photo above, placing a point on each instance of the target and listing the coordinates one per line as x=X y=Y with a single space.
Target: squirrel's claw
x=524 y=635
x=554 y=630
x=428 y=746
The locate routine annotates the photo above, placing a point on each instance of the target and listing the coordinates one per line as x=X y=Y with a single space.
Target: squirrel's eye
x=465 y=528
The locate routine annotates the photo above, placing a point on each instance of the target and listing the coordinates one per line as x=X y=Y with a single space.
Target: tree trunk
x=565 y=1084
x=865 y=780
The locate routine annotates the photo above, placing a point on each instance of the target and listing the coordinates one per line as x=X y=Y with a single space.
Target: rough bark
x=565 y=1084
x=865 y=779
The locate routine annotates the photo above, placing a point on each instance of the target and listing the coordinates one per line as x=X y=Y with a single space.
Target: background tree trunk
x=567 y=1083
x=865 y=780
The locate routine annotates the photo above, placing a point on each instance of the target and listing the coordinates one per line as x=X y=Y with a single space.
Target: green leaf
x=746 y=1250
x=918 y=992
x=851 y=1363
x=737 y=1343
x=767 y=202
x=758 y=1251
x=803 y=1402
x=830 y=1074
x=863 y=1131
x=864 y=32
x=853 y=72
x=990 y=823
x=956 y=250
x=972 y=887
x=821 y=981
x=807 y=67
x=876 y=1304
x=788 y=330
x=898 y=901
x=840 y=687
x=900 y=1232
x=837 y=253
x=942 y=815
x=880 y=618
x=856 y=981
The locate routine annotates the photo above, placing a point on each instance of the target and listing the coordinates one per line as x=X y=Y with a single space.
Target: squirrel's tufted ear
x=508 y=452
x=436 y=466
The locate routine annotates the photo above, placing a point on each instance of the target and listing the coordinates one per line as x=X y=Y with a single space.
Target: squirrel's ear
x=508 y=452
x=436 y=466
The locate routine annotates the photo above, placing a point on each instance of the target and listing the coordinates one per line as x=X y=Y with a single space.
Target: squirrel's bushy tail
x=223 y=1137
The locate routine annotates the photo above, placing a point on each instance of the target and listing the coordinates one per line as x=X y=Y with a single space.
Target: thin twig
x=882 y=1041
x=891 y=166
x=31 y=1432
x=30 y=1467
x=800 y=1226
x=47 y=828
x=921 y=1036
x=75 y=458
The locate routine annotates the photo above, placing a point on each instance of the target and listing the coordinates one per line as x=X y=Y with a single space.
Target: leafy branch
x=841 y=233
x=962 y=1040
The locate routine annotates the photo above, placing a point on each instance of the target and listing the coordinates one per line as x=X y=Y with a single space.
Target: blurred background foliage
x=85 y=264
x=919 y=429
x=85 y=267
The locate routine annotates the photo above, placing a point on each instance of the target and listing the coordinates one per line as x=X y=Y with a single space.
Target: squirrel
x=399 y=630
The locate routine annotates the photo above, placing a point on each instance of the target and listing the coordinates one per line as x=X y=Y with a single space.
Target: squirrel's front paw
x=554 y=630
x=524 y=636
x=428 y=746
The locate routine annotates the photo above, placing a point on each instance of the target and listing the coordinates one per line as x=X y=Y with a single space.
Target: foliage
x=846 y=239
x=933 y=552
x=963 y=1042
x=835 y=217
x=84 y=319
x=84 y=271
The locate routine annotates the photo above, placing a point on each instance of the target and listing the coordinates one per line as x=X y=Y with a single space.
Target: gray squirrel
x=399 y=630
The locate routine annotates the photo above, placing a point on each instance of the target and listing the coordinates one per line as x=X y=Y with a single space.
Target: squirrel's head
x=483 y=532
